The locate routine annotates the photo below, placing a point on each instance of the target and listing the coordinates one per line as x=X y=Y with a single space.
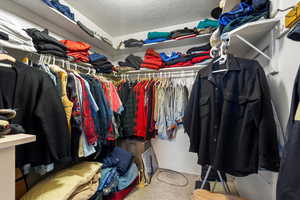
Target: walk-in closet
x=149 y=100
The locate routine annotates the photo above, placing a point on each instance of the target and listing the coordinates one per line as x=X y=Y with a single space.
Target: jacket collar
x=232 y=64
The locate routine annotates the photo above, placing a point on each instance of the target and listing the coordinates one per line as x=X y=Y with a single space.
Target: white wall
x=287 y=60
x=143 y=35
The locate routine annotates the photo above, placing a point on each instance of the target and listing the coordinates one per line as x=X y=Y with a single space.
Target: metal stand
x=225 y=186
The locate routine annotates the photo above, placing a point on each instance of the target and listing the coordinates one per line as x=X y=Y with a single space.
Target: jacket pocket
x=235 y=105
x=204 y=106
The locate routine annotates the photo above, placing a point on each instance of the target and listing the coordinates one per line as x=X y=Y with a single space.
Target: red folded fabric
x=151 y=52
x=152 y=60
x=186 y=36
x=120 y=195
x=200 y=59
x=150 y=66
x=76 y=45
x=79 y=56
x=180 y=64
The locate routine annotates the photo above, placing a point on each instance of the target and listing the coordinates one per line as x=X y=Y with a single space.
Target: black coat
x=288 y=186
x=40 y=112
x=229 y=119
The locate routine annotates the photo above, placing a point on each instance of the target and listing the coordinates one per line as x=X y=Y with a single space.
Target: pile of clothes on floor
x=78 y=50
x=204 y=27
x=244 y=12
x=195 y=55
x=101 y=63
x=12 y=35
x=46 y=44
x=78 y=182
x=65 y=10
x=119 y=174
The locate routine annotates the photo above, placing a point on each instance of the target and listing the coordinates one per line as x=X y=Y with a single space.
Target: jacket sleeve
x=191 y=119
x=268 y=143
x=51 y=116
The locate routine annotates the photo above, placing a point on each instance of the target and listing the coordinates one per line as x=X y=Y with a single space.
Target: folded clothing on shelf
x=157 y=35
x=243 y=13
x=77 y=49
x=13 y=36
x=152 y=60
x=150 y=41
x=133 y=43
x=46 y=44
x=97 y=57
x=183 y=32
x=65 y=10
x=132 y=61
x=207 y=23
x=101 y=63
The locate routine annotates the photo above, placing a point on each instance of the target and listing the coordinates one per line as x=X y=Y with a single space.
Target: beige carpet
x=161 y=191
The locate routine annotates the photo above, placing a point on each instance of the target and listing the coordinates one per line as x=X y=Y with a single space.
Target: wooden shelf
x=167 y=44
x=14 y=140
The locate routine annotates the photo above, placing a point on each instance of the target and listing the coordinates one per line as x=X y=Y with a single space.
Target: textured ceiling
x=121 y=17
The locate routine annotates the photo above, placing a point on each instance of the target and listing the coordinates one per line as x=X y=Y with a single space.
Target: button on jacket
x=229 y=119
x=288 y=187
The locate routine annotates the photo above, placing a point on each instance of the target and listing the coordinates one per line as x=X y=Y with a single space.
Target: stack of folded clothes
x=207 y=26
x=5 y=126
x=183 y=33
x=46 y=44
x=65 y=10
x=80 y=181
x=133 y=43
x=154 y=37
x=244 y=13
x=195 y=55
x=132 y=61
x=13 y=36
x=119 y=172
x=152 y=60
x=78 y=50
x=101 y=63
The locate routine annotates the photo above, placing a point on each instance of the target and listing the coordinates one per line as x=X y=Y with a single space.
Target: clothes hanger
x=5 y=57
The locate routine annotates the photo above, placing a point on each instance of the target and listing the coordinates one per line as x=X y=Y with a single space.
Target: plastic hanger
x=5 y=57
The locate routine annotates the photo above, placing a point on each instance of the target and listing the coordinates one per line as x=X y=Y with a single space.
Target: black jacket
x=40 y=112
x=288 y=186
x=229 y=119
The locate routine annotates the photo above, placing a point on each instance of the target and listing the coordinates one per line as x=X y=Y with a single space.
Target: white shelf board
x=173 y=69
x=14 y=140
x=253 y=32
x=41 y=9
x=204 y=38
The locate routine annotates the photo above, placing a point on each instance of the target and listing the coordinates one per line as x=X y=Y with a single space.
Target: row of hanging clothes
x=154 y=103
x=70 y=111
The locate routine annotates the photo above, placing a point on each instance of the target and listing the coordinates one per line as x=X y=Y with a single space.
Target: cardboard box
x=136 y=147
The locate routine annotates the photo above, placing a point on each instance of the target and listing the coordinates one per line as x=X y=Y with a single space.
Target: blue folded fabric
x=128 y=178
x=167 y=58
x=154 y=40
x=243 y=9
x=119 y=158
x=97 y=57
x=65 y=10
x=109 y=180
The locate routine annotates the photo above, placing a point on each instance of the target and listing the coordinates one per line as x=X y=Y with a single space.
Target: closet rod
x=175 y=69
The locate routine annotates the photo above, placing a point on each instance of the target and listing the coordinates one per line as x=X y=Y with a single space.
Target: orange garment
x=76 y=45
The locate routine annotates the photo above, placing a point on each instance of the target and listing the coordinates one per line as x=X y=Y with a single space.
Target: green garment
x=158 y=35
x=207 y=23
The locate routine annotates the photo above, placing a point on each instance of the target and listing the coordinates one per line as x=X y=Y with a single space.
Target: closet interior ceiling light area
x=131 y=100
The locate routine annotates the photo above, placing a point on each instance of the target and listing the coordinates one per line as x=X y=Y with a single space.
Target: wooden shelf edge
x=14 y=140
